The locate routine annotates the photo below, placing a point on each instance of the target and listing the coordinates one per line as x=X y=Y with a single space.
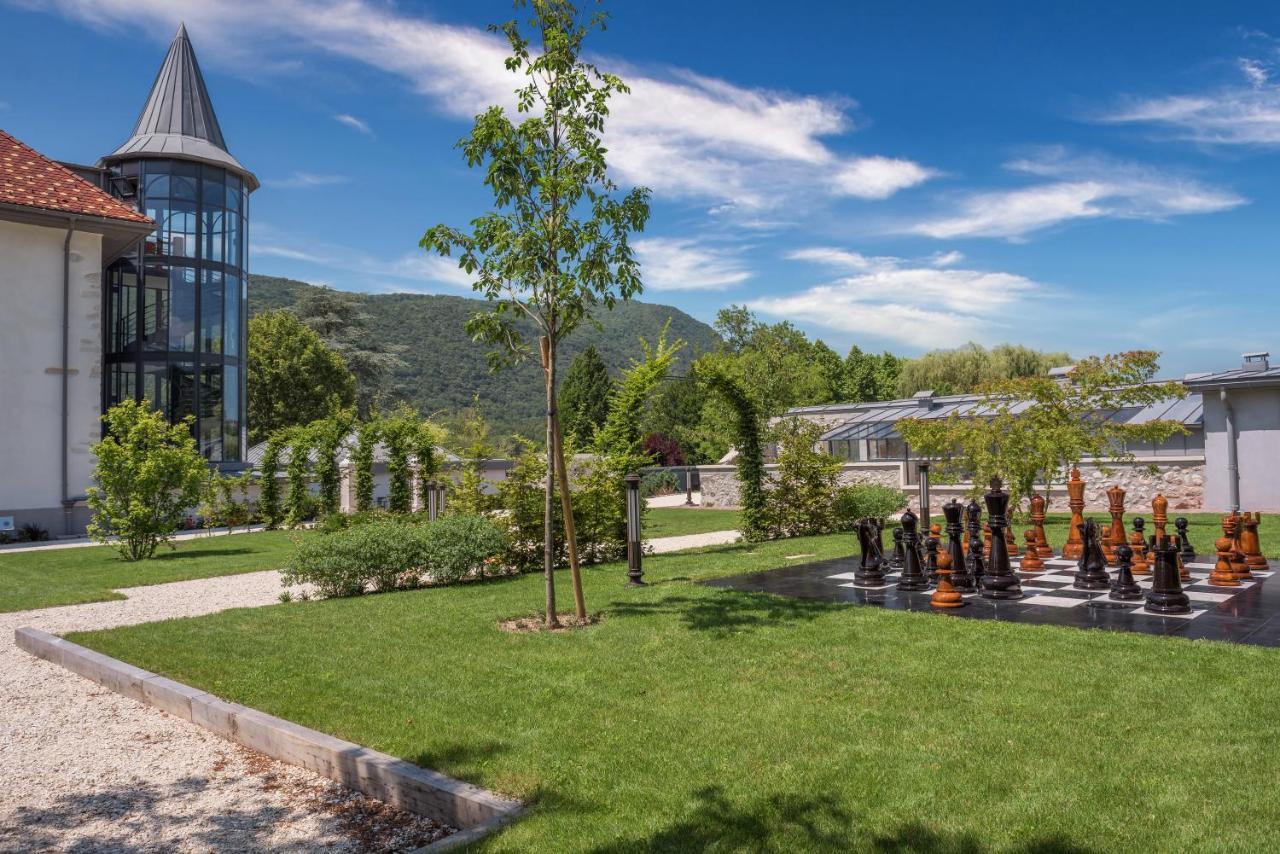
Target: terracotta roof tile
x=30 y=179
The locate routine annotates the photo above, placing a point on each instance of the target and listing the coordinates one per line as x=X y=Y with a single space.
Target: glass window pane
x=182 y=308
x=232 y=257
x=231 y=413
x=180 y=231
x=213 y=233
x=231 y=323
x=122 y=384
x=156 y=187
x=182 y=390
x=213 y=191
x=155 y=309
x=123 y=280
x=211 y=412
x=211 y=312
x=155 y=385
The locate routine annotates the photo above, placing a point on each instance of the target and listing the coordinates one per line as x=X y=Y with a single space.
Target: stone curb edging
x=471 y=809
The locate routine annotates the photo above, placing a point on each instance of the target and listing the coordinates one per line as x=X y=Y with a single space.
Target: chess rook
x=1165 y=595
x=1250 y=544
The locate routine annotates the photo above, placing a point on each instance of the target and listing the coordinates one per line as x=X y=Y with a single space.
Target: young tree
x=269 y=482
x=328 y=436
x=400 y=435
x=428 y=436
x=293 y=377
x=1033 y=429
x=367 y=436
x=556 y=245
x=148 y=472
x=584 y=396
x=301 y=441
x=474 y=446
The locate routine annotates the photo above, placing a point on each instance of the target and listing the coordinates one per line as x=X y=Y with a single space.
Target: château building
x=134 y=272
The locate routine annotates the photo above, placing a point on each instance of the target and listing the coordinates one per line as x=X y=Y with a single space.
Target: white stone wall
x=1257 y=422
x=31 y=260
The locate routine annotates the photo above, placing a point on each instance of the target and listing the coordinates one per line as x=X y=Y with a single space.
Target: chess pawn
x=1250 y=544
x=1124 y=588
x=1184 y=574
x=999 y=582
x=945 y=596
x=1165 y=595
x=960 y=578
x=944 y=557
x=1188 y=551
x=973 y=519
x=1031 y=562
x=1038 y=506
x=1091 y=571
x=912 y=577
x=898 y=560
x=1223 y=575
x=1011 y=541
x=1231 y=529
x=1074 y=549
x=1138 y=543
x=870 y=571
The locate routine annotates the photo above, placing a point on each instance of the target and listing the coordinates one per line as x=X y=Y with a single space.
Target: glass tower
x=176 y=305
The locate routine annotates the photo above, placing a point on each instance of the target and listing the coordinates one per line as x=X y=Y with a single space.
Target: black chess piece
x=1124 y=588
x=912 y=577
x=1091 y=570
x=974 y=562
x=1165 y=595
x=1187 y=552
x=960 y=577
x=999 y=582
x=870 y=571
x=897 y=561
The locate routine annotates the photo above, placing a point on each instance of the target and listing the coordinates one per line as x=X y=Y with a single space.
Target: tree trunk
x=549 y=515
x=570 y=536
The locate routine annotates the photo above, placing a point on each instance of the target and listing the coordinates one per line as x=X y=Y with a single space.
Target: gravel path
x=693 y=541
x=87 y=770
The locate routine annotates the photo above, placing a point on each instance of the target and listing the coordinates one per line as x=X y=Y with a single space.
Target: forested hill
x=444 y=367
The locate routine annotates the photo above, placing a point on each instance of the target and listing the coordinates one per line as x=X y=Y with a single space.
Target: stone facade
x=1180 y=479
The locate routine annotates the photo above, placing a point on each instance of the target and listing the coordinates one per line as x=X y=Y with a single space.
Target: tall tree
x=584 y=396
x=336 y=317
x=556 y=244
x=869 y=377
x=967 y=368
x=293 y=377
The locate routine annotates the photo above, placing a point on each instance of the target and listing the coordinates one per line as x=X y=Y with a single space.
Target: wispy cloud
x=683 y=135
x=947 y=259
x=1243 y=113
x=905 y=302
x=352 y=122
x=272 y=250
x=357 y=270
x=1077 y=187
x=306 y=181
x=680 y=264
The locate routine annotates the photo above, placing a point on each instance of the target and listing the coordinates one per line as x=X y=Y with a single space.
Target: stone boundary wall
x=471 y=809
x=1180 y=479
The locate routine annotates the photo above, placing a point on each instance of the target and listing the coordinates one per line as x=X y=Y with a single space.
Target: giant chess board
x=1249 y=613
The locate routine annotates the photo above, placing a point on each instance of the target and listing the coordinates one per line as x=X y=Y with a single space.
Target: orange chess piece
x=1031 y=561
x=1160 y=515
x=945 y=594
x=1074 y=549
x=1011 y=541
x=1223 y=575
x=1038 y=505
x=1115 y=505
x=1139 y=546
x=1250 y=545
x=944 y=557
x=1231 y=529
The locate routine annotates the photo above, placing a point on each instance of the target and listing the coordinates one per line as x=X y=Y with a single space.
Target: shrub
x=460 y=546
x=802 y=499
x=521 y=498
x=659 y=483
x=32 y=533
x=866 y=500
x=148 y=473
x=379 y=555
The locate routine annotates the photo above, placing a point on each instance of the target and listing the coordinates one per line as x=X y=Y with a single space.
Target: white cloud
x=274 y=251
x=1079 y=188
x=363 y=270
x=679 y=264
x=352 y=122
x=916 y=306
x=1241 y=114
x=879 y=177
x=831 y=257
x=306 y=180
x=685 y=136
x=947 y=259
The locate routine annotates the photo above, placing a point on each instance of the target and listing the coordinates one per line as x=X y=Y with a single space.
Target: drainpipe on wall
x=67 y=500
x=1233 y=463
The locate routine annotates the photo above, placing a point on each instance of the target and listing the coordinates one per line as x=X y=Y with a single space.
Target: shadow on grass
x=789 y=822
x=729 y=611
x=193 y=555
x=459 y=755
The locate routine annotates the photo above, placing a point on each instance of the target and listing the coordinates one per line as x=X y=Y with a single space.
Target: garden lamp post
x=634 y=572
x=431 y=501
x=924 y=497
x=441 y=491
x=688 y=486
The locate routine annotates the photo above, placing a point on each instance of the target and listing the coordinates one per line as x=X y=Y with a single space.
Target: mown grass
x=694 y=718
x=678 y=521
x=48 y=577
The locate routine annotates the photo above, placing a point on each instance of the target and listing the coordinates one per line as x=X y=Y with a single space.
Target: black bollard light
x=924 y=498
x=634 y=572
x=688 y=486
x=431 y=501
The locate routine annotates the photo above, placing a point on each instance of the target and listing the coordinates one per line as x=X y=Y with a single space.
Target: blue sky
x=1094 y=177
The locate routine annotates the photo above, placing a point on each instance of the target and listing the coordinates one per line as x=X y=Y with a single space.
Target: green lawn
x=692 y=718
x=677 y=521
x=40 y=579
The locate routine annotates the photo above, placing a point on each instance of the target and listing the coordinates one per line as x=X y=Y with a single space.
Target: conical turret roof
x=178 y=119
